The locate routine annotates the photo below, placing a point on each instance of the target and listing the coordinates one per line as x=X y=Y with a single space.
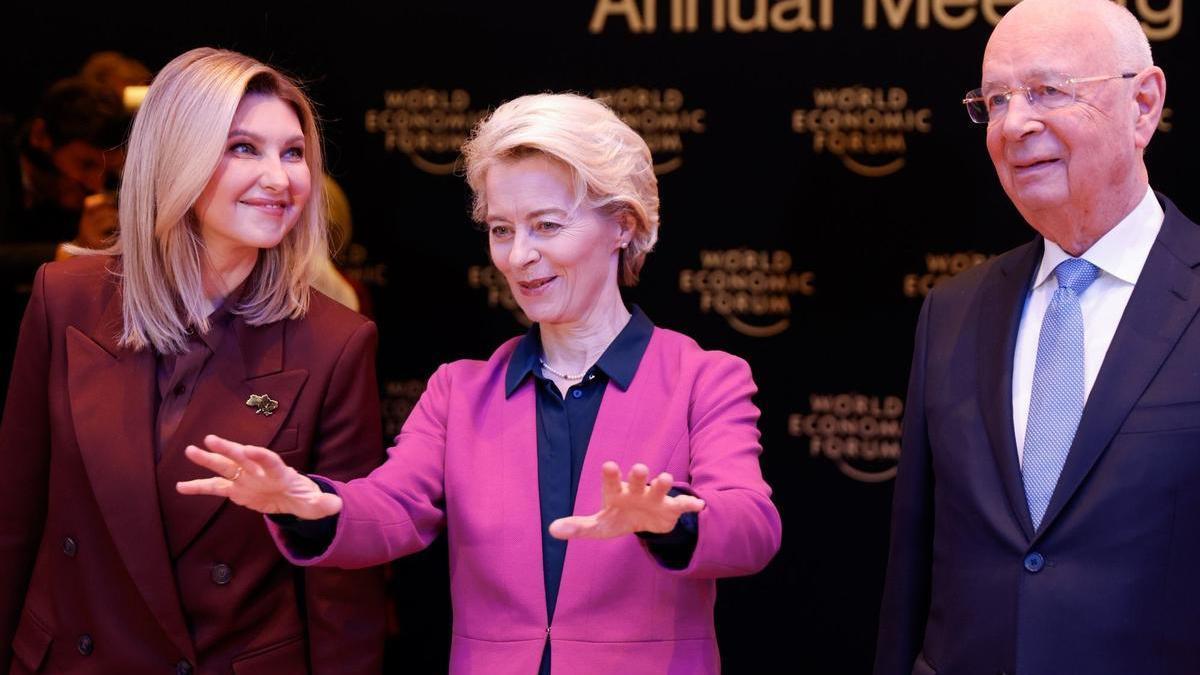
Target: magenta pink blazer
x=466 y=461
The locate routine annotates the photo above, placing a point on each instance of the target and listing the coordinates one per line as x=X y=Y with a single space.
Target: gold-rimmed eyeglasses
x=989 y=104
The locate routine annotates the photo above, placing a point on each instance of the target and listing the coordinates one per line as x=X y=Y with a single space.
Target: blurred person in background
x=69 y=160
x=330 y=280
x=125 y=77
x=58 y=181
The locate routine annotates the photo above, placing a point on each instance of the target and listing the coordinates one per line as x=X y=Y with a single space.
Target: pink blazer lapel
x=516 y=473
x=619 y=435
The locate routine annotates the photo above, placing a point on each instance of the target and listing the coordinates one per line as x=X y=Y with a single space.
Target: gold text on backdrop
x=499 y=293
x=860 y=434
x=428 y=125
x=751 y=289
x=866 y=127
x=1160 y=20
x=659 y=116
x=938 y=268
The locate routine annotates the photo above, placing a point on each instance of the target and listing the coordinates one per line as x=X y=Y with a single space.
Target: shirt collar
x=221 y=319
x=1122 y=251
x=619 y=362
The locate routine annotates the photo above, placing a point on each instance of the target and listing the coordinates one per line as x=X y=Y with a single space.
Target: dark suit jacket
x=1114 y=585
x=104 y=568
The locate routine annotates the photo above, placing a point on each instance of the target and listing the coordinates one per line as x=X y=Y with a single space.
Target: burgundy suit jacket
x=466 y=460
x=104 y=568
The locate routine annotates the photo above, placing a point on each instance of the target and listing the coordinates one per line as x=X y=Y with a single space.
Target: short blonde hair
x=610 y=164
x=178 y=139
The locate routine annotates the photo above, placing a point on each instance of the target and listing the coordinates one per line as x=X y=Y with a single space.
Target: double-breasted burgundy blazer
x=104 y=568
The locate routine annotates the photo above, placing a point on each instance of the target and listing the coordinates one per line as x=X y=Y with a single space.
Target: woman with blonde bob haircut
x=179 y=136
x=199 y=317
x=519 y=454
x=611 y=167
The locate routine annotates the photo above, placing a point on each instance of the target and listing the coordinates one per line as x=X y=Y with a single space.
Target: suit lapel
x=999 y=318
x=612 y=439
x=516 y=464
x=248 y=361
x=112 y=395
x=1163 y=304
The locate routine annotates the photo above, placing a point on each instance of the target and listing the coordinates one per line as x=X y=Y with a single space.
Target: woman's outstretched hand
x=258 y=479
x=628 y=507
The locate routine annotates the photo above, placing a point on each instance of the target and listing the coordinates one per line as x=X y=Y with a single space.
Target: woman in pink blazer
x=520 y=454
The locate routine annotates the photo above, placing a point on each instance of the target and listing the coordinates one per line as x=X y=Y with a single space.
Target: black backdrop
x=816 y=176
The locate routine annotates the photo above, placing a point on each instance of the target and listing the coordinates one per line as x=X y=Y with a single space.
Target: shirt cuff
x=674 y=549
x=307 y=538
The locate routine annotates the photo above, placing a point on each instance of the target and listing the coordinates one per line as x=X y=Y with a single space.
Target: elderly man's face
x=1066 y=158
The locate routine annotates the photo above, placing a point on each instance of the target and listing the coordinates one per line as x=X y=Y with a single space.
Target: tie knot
x=1076 y=274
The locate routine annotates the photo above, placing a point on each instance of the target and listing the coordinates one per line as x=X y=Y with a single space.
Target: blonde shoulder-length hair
x=610 y=165
x=178 y=138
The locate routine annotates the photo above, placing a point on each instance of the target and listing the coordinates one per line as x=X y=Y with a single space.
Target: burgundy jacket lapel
x=248 y=361
x=112 y=395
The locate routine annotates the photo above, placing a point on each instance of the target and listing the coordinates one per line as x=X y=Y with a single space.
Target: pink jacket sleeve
x=739 y=528
x=399 y=508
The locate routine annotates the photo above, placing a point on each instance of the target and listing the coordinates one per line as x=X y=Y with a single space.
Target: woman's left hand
x=629 y=507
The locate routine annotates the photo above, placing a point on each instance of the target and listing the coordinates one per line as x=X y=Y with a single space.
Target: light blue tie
x=1056 y=401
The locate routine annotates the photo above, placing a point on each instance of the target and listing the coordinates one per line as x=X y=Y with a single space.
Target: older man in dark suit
x=1045 y=513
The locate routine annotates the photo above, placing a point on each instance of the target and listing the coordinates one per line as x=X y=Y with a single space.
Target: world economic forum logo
x=869 y=129
x=752 y=290
x=660 y=117
x=429 y=126
x=860 y=434
x=497 y=291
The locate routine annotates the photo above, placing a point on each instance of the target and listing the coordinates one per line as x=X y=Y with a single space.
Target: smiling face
x=559 y=260
x=1079 y=163
x=261 y=185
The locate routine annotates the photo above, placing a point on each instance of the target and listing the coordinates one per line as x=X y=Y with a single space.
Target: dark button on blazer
x=137 y=577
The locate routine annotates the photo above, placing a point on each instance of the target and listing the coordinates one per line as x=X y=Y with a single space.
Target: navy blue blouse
x=564 y=429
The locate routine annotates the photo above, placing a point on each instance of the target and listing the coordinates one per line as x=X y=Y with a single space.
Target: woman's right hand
x=258 y=479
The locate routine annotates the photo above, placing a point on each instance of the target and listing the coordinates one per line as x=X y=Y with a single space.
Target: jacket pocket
x=1172 y=417
x=285 y=440
x=31 y=641
x=288 y=656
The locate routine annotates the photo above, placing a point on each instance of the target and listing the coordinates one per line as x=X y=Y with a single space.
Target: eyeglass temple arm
x=1123 y=76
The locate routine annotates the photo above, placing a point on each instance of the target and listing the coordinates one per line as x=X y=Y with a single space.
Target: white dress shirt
x=1120 y=254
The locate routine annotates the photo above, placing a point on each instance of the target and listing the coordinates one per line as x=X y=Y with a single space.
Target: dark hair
x=75 y=109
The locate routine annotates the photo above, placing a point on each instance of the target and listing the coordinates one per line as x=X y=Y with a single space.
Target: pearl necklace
x=564 y=376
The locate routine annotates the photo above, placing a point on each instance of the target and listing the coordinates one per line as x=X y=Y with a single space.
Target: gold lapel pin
x=263 y=404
